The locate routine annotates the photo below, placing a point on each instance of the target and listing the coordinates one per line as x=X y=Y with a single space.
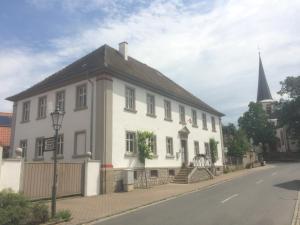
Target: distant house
x=5 y=132
x=107 y=97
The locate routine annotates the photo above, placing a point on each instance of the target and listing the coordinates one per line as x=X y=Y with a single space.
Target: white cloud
x=213 y=54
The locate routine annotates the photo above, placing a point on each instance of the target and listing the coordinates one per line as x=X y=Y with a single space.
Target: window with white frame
x=42 y=107
x=80 y=143
x=204 y=121
x=152 y=144
x=130 y=99
x=169 y=142
x=207 y=150
x=213 y=123
x=60 y=100
x=150 y=105
x=194 y=117
x=81 y=96
x=26 y=111
x=181 y=114
x=168 y=112
x=130 y=142
x=60 y=144
x=196 y=147
x=23 y=145
x=39 y=147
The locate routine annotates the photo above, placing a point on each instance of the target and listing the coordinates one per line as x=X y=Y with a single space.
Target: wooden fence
x=38 y=179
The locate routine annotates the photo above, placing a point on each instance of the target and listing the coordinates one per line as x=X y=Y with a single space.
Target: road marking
x=259 y=181
x=273 y=174
x=227 y=199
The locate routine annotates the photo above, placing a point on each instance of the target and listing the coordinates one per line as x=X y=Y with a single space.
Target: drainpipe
x=92 y=116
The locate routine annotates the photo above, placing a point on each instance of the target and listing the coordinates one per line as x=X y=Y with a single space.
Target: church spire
x=263 y=91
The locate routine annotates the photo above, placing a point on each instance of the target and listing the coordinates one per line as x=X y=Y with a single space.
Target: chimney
x=123 y=49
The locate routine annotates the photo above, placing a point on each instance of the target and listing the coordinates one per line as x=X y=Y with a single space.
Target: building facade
x=107 y=97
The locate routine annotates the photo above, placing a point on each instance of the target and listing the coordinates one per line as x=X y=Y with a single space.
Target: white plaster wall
x=10 y=176
x=73 y=121
x=92 y=178
x=125 y=121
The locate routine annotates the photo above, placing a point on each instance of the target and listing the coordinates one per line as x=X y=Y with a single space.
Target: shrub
x=15 y=209
x=64 y=215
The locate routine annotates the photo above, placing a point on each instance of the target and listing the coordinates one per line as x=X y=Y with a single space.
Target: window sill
x=204 y=128
x=169 y=120
x=214 y=131
x=182 y=122
x=38 y=159
x=81 y=156
x=58 y=157
x=195 y=125
x=130 y=110
x=170 y=156
x=41 y=118
x=25 y=121
x=130 y=154
x=80 y=108
x=151 y=115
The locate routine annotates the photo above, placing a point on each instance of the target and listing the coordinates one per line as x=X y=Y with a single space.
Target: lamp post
x=57 y=118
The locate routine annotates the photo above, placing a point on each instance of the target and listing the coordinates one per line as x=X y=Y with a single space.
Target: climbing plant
x=213 y=145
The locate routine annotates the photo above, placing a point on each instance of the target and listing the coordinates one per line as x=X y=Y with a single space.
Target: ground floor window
x=169 y=142
x=60 y=144
x=39 y=147
x=154 y=173
x=130 y=141
x=171 y=172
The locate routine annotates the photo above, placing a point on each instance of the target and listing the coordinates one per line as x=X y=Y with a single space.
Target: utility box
x=128 y=180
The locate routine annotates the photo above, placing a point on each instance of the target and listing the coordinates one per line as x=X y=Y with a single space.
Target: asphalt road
x=266 y=197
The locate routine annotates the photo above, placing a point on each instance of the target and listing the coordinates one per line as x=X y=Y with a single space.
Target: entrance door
x=184 y=152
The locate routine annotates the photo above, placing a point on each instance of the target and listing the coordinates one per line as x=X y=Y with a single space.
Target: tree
x=144 y=148
x=213 y=146
x=228 y=133
x=256 y=125
x=288 y=111
x=239 y=144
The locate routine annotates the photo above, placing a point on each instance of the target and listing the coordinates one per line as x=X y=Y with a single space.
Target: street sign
x=49 y=144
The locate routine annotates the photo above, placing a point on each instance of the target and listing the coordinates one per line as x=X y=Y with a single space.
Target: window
x=42 y=107
x=150 y=105
x=80 y=143
x=23 y=145
x=135 y=175
x=26 y=111
x=130 y=99
x=182 y=114
x=152 y=144
x=168 y=114
x=39 y=147
x=204 y=121
x=196 y=147
x=194 y=117
x=213 y=124
x=207 y=151
x=130 y=142
x=60 y=100
x=60 y=144
x=172 y=173
x=81 y=97
x=169 y=142
x=153 y=173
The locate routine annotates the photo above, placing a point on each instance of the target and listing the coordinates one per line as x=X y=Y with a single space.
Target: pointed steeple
x=263 y=91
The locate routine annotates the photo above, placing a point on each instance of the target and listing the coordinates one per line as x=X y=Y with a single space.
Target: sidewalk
x=89 y=209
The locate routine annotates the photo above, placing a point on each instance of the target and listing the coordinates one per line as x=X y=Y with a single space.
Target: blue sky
x=208 y=47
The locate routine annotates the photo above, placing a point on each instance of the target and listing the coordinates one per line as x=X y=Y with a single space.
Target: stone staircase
x=182 y=176
x=192 y=174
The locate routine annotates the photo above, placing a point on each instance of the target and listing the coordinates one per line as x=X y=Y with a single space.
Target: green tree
x=144 y=148
x=256 y=125
x=239 y=144
x=288 y=111
x=228 y=133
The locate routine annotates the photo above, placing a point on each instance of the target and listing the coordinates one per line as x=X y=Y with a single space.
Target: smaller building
x=5 y=130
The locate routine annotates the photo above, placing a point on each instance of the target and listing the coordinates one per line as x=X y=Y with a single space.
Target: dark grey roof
x=263 y=91
x=108 y=60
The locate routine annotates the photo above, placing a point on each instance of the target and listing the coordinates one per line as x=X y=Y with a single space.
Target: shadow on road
x=290 y=185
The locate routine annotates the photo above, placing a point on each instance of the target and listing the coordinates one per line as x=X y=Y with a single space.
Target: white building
x=107 y=97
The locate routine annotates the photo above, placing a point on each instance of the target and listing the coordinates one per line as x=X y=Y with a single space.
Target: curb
x=296 y=219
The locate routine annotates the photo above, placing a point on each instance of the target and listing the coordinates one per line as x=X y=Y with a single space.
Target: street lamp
x=57 y=118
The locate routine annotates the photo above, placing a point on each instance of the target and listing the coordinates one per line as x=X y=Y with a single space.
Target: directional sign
x=49 y=144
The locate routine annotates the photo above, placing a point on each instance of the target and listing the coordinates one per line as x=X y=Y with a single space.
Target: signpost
x=49 y=144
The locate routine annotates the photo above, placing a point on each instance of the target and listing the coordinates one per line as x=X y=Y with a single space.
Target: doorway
x=184 y=152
